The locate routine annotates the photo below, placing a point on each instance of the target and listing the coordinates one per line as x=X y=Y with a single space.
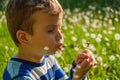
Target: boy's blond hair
x=18 y=14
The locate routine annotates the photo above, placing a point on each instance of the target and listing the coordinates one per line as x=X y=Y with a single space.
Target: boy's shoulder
x=14 y=68
x=20 y=67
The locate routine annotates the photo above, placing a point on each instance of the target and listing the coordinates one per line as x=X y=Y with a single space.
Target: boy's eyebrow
x=55 y=25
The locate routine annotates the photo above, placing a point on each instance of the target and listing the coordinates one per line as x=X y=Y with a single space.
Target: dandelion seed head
x=93 y=35
x=98 y=39
x=104 y=31
x=74 y=38
x=99 y=35
x=6 y=47
x=110 y=21
x=72 y=31
x=117 y=36
x=76 y=48
x=104 y=24
x=87 y=34
x=106 y=39
x=105 y=65
x=109 y=32
x=112 y=28
x=99 y=59
x=112 y=57
x=116 y=19
x=92 y=47
x=99 y=12
x=107 y=44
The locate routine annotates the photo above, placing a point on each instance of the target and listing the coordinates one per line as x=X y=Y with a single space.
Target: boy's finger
x=84 y=63
x=83 y=55
x=79 y=61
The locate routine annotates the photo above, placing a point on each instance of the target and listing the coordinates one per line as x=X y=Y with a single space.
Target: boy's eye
x=51 y=30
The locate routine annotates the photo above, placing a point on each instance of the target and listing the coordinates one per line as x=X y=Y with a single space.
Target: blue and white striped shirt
x=48 y=69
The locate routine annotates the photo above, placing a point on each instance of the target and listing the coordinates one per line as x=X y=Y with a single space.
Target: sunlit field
x=98 y=28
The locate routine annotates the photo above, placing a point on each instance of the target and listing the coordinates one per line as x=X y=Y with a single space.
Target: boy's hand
x=84 y=61
x=81 y=69
x=85 y=54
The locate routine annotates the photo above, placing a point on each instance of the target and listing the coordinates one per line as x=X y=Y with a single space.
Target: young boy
x=35 y=27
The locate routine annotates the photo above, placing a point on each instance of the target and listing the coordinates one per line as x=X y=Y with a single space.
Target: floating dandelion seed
x=58 y=54
x=46 y=48
x=66 y=69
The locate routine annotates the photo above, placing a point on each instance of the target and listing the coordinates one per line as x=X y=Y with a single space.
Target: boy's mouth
x=59 y=46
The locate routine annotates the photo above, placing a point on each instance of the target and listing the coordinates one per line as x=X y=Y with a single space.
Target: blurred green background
x=85 y=21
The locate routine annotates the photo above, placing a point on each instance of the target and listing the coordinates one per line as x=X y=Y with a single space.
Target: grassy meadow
x=99 y=28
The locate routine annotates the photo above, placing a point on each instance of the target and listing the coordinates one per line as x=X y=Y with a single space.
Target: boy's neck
x=29 y=56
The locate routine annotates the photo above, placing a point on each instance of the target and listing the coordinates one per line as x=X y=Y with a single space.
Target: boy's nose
x=59 y=36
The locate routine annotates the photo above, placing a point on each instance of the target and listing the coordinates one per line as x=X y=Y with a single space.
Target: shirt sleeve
x=72 y=71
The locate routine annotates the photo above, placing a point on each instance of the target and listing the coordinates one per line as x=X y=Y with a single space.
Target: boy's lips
x=59 y=46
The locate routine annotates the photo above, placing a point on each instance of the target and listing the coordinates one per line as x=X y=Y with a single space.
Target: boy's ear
x=22 y=37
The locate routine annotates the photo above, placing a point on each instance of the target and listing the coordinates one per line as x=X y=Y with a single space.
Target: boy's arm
x=84 y=61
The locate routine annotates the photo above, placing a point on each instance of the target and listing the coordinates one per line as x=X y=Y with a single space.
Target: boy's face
x=47 y=37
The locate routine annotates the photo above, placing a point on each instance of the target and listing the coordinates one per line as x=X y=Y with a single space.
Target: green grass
x=98 y=27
